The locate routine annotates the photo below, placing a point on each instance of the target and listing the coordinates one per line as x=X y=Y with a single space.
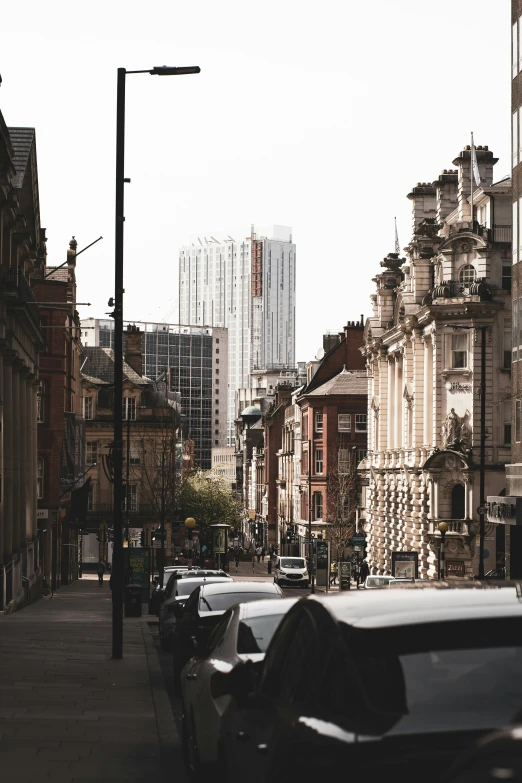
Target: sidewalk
x=68 y=712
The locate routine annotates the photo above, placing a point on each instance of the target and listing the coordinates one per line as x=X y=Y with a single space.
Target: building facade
x=441 y=324
x=22 y=257
x=245 y=284
x=196 y=359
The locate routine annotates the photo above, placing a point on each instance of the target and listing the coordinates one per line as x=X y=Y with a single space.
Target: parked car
x=158 y=588
x=497 y=756
x=291 y=571
x=203 y=611
x=177 y=592
x=377 y=684
x=243 y=633
x=379 y=580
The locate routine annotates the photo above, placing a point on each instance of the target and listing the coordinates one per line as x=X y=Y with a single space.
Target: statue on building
x=455 y=432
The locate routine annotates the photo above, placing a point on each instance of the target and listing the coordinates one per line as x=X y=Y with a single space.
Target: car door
x=205 y=711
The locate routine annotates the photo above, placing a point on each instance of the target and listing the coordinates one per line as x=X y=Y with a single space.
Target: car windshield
x=220 y=602
x=298 y=562
x=254 y=633
x=445 y=676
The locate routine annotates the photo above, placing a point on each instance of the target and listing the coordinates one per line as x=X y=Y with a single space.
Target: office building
x=246 y=284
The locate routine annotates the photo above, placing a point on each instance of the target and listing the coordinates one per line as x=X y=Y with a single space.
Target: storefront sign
x=42 y=513
x=405 y=565
x=455 y=568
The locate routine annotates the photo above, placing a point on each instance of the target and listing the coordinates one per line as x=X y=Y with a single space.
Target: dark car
x=176 y=594
x=158 y=588
x=204 y=609
x=497 y=756
x=379 y=683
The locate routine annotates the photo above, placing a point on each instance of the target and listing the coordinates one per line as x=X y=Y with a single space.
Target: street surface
x=68 y=712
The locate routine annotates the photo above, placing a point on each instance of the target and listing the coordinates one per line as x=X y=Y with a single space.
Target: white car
x=243 y=634
x=382 y=581
x=291 y=571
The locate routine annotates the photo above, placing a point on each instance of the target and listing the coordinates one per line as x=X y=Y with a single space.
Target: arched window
x=40 y=479
x=467 y=274
x=458 y=505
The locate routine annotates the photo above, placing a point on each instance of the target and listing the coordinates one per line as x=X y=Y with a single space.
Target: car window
x=192 y=602
x=377 y=581
x=218 y=602
x=170 y=585
x=255 y=633
x=290 y=671
x=464 y=675
x=186 y=586
x=218 y=634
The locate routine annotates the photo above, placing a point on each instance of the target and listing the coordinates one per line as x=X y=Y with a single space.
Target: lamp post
x=482 y=481
x=117 y=302
x=190 y=524
x=443 y=529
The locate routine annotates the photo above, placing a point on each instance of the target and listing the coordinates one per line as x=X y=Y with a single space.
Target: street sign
x=358 y=548
x=481 y=510
x=358 y=539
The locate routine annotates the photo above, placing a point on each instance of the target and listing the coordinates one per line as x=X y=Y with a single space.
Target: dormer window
x=467 y=274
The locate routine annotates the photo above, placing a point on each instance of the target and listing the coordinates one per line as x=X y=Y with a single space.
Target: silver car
x=178 y=591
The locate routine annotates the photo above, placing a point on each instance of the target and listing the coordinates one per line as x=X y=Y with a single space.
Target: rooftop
x=344 y=383
x=98 y=367
x=21 y=140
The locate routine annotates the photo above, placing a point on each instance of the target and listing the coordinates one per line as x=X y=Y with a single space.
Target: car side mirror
x=240 y=683
x=178 y=609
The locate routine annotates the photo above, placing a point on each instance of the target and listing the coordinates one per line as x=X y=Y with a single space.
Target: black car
x=497 y=756
x=158 y=588
x=382 y=684
x=203 y=611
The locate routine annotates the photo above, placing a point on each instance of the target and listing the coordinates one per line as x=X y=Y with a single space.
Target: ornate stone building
x=423 y=350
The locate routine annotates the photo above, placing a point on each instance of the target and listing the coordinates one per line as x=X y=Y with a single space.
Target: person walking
x=333 y=573
x=236 y=558
x=258 y=554
x=263 y=553
x=363 y=572
x=101 y=571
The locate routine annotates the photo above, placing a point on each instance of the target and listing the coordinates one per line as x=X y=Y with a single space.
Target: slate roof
x=62 y=275
x=98 y=367
x=21 y=140
x=258 y=425
x=345 y=383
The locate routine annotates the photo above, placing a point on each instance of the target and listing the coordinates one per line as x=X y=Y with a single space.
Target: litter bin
x=269 y=566
x=133 y=601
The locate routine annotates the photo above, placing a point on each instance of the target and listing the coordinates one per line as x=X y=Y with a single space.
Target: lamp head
x=442 y=528
x=190 y=523
x=167 y=70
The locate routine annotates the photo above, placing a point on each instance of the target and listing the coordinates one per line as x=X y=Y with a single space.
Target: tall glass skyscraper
x=246 y=284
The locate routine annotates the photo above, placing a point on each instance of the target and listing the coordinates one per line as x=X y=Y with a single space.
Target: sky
x=321 y=117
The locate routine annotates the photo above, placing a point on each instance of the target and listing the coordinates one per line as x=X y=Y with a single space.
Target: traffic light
x=288 y=536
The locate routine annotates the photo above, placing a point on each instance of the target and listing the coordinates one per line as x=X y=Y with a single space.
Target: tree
x=341 y=500
x=210 y=501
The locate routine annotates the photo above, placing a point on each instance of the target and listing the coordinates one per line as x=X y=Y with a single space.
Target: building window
x=343 y=460
x=319 y=461
x=514 y=50
x=88 y=407
x=318 y=505
x=361 y=422
x=507 y=424
x=507 y=350
x=318 y=422
x=467 y=274
x=129 y=409
x=135 y=456
x=515 y=232
x=361 y=454
x=459 y=351
x=517 y=420
x=344 y=422
x=40 y=479
x=506 y=278
x=91 y=452
x=40 y=403
x=515 y=139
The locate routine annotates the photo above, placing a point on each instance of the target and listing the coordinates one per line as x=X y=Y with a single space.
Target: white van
x=291 y=571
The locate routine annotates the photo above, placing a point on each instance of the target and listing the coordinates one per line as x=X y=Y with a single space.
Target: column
x=31 y=458
x=8 y=458
x=2 y=451
x=391 y=402
x=428 y=391
x=16 y=449
x=398 y=412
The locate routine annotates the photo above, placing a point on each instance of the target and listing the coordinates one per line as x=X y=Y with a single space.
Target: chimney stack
x=133 y=349
x=424 y=203
x=447 y=193
x=485 y=161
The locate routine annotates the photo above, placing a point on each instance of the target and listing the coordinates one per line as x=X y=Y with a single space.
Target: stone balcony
x=456 y=527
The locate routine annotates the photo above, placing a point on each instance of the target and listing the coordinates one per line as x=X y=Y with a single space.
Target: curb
x=169 y=739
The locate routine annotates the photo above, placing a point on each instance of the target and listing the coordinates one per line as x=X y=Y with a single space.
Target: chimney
x=330 y=341
x=447 y=193
x=485 y=161
x=424 y=203
x=133 y=349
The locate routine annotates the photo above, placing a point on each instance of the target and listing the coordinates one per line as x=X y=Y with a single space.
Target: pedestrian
x=253 y=559
x=333 y=573
x=364 y=572
x=236 y=558
x=263 y=553
x=258 y=553
x=101 y=571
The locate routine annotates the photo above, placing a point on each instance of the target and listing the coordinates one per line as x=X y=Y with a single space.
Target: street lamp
x=117 y=302
x=190 y=524
x=481 y=510
x=443 y=529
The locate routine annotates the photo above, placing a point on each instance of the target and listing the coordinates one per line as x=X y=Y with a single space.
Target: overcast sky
x=319 y=116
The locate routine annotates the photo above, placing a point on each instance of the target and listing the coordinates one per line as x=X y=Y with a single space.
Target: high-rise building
x=196 y=360
x=245 y=284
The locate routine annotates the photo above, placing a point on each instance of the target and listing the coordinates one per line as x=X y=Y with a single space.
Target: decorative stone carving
x=456 y=432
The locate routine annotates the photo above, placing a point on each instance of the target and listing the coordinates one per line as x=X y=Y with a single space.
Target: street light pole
x=482 y=447
x=443 y=529
x=117 y=447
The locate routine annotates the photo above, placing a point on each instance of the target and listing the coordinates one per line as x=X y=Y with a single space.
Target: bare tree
x=341 y=501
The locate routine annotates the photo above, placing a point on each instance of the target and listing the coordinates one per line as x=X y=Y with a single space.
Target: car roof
x=414 y=603
x=242 y=587
x=290 y=557
x=261 y=608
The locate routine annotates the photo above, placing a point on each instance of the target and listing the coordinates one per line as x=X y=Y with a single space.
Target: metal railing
x=456 y=527
x=502 y=234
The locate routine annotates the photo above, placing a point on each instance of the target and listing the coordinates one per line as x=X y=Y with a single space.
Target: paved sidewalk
x=68 y=712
